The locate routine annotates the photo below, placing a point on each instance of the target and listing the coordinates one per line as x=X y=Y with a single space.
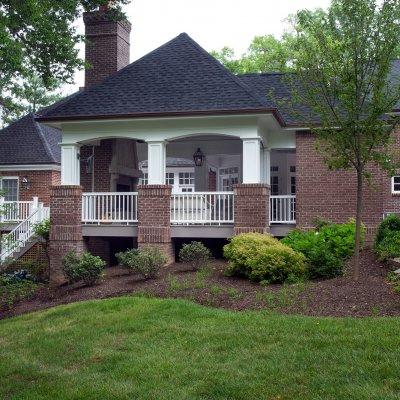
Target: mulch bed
x=371 y=295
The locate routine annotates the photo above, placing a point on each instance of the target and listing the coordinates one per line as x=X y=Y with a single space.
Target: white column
x=156 y=158
x=251 y=161
x=70 y=165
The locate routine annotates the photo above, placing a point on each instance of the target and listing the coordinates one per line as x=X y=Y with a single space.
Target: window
x=187 y=189
x=396 y=184
x=229 y=171
x=292 y=185
x=144 y=180
x=10 y=188
x=274 y=169
x=186 y=178
x=169 y=178
x=292 y=168
x=274 y=185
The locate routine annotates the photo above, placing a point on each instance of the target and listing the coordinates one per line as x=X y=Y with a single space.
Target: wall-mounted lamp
x=25 y=183
x=198 y=158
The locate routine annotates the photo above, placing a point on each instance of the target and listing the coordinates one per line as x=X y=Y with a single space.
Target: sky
x=212 y=23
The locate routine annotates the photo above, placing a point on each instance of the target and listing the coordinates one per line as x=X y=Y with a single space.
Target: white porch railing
x=106 y=208
x=199 y=208
x=19 y=237
x=16 y=211
x=282 y=209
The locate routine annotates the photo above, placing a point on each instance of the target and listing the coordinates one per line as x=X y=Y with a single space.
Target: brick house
x=251 y=165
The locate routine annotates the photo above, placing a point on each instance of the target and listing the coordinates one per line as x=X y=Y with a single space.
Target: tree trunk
x=357 y=245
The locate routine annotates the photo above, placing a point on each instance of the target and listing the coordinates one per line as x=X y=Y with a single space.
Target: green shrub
x=387 y=241
x=86 y=268
x=42 y=229
x=326 y=249
x=388 y=247
x=146 y=262
x=263 y=258
x=195 y=254
x=13 y=290
x=129 y=259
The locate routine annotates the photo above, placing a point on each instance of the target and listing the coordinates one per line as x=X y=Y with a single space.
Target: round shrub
x=86 y=268
x=145 y=262
x=387 y=241
x=195 y=254
x=129 y=259
x=261 y=257
x=389 y=246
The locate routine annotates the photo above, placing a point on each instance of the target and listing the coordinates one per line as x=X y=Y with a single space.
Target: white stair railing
x=22 y=234
x=16 y=211
x=103 y=208
x=282 y=209
x=215 y=208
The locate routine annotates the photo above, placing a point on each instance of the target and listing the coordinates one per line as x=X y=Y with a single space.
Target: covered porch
x=201 y=159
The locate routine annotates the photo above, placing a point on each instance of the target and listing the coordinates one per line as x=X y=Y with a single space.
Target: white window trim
x=10 y=178
x=392 y=184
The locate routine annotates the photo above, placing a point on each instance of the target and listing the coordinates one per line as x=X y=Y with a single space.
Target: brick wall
x=251 y=210
x=154 y=215
x=107 y=46
x=332 y=194
x=40 y=184
x=66 y=227
x=102 y=159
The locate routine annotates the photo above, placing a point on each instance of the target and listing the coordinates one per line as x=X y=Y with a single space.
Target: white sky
x=212 y=23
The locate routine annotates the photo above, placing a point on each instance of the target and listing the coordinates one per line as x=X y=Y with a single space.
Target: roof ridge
x=247 y=88
x=43 y=139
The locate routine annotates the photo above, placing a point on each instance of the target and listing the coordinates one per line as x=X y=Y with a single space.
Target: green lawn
x=139 y=348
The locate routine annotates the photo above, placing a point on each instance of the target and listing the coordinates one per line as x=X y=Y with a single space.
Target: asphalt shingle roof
x=179 y=77
x=276 y=87
x=27 y=142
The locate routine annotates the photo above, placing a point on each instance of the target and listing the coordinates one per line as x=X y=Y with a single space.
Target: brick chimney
x=107 y=45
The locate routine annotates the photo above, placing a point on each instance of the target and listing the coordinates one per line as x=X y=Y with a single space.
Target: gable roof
x=27 y=142
x=178 y=78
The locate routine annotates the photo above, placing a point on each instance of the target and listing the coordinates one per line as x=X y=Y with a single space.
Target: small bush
x=326 y=249
x=129 y=259
x=263 y=258
x=42 y=229
x=13 y=289
x=37 y=269
x=86 y=268
x=195 y=254
x=146 y=262
x=387 y=241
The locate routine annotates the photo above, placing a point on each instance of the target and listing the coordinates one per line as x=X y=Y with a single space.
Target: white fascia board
x=31 y=167
x=161 y=129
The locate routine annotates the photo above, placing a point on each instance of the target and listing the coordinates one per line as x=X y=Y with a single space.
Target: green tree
x=344 y=58
x=30 y=96
x=265 y=54
x=39 y=37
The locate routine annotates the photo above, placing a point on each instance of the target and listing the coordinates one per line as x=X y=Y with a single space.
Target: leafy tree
x=30 y=96
x=265 y=54
x=39 y=37
x=343 y=67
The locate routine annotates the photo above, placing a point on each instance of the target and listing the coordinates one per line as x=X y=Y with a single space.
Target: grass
x=140 y=348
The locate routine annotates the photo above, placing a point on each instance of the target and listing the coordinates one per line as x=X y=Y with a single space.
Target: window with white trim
x=187 y=190
x=144 y=180
x=186 y=178
x=169 y=178
x=274 y=185
x=292 y=185
x=9 y=186
x=396 y=184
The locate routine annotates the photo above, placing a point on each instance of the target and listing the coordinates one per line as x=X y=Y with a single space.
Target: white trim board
x=30 y=167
